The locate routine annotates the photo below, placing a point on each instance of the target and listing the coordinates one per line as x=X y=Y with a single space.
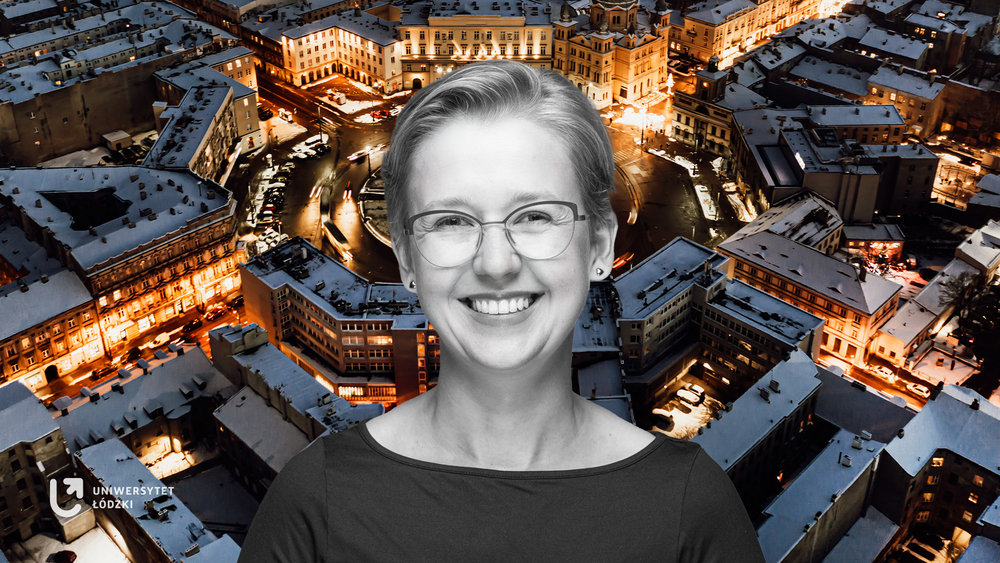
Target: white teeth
x=501 y=307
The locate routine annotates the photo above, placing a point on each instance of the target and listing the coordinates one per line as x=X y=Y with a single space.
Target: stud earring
x=600 y=272
x=413 y=284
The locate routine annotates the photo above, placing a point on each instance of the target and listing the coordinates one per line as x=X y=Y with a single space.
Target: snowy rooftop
x=828 y=32
x=200 y=73
x=814 y=154
x=948 y=17
x=192 y=122
x=805 y=218
x=776 y=53
x=753 y=417
x=372 y=28
x=662 y=276
x=170 y=386
x=858 y=410
x=766 y=313
x=912 y=82
x=811 y=492
x=25 y=255
x=748 y=73
x=334 y=289
x=949 y=423
x=714 y=13
x=222 y=550
x=224 y=56
x=990 y=183
x=17 y=9
x=857 y=114
x=23 y=418
x=42 y=301
x=596 y=330
x=831 y=278
x=991 y=515
x=884 y=6
x=66 y=200
x=909 y=322
x=832 y=75
x=737 y=96
x=262 y=428
x=762 y=126
x=982 y=247
x=981 y=550
x=891 y=42
x=116 y=466
x=929 y=370
x=911 y=150
x=873 y=232
x=930 y=295
x=533 y=12
x=865 y=540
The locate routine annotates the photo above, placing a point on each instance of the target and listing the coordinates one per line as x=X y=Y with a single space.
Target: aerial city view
x=197 y=278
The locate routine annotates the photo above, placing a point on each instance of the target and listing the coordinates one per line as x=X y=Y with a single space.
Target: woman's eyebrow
x=517 y=197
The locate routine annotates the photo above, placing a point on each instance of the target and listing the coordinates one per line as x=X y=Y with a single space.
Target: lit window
x=967 y=516
x=937 y=461
x=978 y=481
x=973 y=498
x=928 y=497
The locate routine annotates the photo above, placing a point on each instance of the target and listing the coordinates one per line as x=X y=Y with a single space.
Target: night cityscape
x=197 y=279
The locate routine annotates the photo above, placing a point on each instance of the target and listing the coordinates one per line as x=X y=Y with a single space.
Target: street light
x=642 y=137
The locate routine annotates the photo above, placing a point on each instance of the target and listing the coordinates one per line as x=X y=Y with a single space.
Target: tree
x=961 y=293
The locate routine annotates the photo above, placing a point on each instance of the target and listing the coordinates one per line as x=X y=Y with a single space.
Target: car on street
x=193 y=325
x=885 y=373
x=358 y=155
x=100 y=373
x=919 y=390
x=64 y=556
x=236 y=301
x=264 y=113
x=688 y=397
x=696 y=389
x=133 y=355
x=215 y=312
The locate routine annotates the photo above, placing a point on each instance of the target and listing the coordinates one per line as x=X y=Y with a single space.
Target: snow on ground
x=95 y=545
x=283 y=131
x=350 y=107
x=688 y=419
x=85 y=157
x=215 y=496
x=929 y=370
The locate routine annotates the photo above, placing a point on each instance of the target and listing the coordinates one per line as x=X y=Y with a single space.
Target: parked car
x=688 y=397
x=885 y=373
x=64 y=556
x=193 y=325
x=264 y=113
x=918 y=389
x=133 y=355
x=237 y=301
x=215 y=312
x=101 y=373
x=696 y=389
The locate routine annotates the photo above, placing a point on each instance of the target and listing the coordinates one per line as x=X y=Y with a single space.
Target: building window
x=923 y=515
x=973 y=498
x=933 y=479
x=937 y=462
x=977 y=481
x=928 y=497
x=967 y=516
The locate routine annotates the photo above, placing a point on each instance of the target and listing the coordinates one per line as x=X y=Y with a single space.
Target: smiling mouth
x=501 y=306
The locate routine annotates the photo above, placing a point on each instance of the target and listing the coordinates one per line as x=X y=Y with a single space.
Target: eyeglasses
x=539 y=231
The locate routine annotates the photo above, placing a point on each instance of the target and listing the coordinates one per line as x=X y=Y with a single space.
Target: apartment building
x=33 y=452
x=853 y=302
x=618 y=54
x=906 y=178
x=917 y=96
x=147 y=244
x=199 y=133
x=438 y=37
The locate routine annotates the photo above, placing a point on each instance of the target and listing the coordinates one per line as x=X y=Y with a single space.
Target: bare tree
x=961 y=292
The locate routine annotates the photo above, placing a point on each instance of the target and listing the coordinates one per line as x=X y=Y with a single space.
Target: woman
x=497 y=187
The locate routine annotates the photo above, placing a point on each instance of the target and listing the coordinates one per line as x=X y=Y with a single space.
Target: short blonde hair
x=490 y=91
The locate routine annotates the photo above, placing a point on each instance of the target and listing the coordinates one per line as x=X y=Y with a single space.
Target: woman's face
x=488 y=171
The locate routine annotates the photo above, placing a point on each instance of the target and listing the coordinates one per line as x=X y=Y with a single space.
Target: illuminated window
x=978 y=481
x=967 y=516
x=923 y=516
x=928 y=497
x=973 y=498
x=933 y=479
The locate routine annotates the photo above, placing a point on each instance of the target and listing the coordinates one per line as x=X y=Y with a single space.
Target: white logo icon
x=74 y=486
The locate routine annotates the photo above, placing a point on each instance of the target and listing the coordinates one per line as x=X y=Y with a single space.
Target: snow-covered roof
x=805 y=218
x=45 y=299
x=200 y=73
x=262 y=428
x=857 y=114
x=776 y=53
x=532 y=11
x=23 y=418
x=762 y=126
x=908 y=151
x=883 y=6
x=874 y=232
x=764 y=312
x=737 y=97
x=710 y=11
x=865 y=540
x=912 y=82
x=372 y=28
x=858 y=409
x=827 y=33
x=663 y=276
x=835 y=280
x=930 y=295
x=15 y=9
x=909 y=322
x=886 y=41
x=222 y=550
x=991 y=516
x=982 y=247
x=172 y=384
x=811 y=493
x=184 y=199
x=832 y=75
x=949 y=423
x=117 y=468
x=948 y=17
x=191 y=124
x=607 y=384
x=989 y=183
x=753 y=417
x=596 y=330
x=748 y=73
x=981 y=550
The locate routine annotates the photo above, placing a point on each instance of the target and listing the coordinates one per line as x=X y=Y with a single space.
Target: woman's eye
x=452 y=222
x=534 y=217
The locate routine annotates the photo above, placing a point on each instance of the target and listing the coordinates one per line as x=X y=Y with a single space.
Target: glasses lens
x=542 y=231
x=446 y=238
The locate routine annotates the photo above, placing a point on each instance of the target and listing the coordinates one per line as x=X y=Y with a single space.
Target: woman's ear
x=402 y=251
x=602 y=247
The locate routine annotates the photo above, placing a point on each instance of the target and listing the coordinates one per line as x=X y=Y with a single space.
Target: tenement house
x=617 y=52
x=917 y=95
x=147 y=244
x=438 y=37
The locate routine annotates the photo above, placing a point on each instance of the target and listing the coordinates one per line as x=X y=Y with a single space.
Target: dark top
x=345 y=498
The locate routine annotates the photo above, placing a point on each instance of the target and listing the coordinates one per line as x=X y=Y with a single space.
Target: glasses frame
x=577 y=216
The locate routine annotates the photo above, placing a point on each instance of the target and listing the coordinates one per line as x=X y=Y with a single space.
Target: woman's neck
x=517 y=421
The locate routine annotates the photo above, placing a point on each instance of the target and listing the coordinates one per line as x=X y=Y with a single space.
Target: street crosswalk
x=626 y=154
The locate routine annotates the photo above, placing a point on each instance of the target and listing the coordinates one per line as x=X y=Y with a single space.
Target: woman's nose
x=496 y=257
